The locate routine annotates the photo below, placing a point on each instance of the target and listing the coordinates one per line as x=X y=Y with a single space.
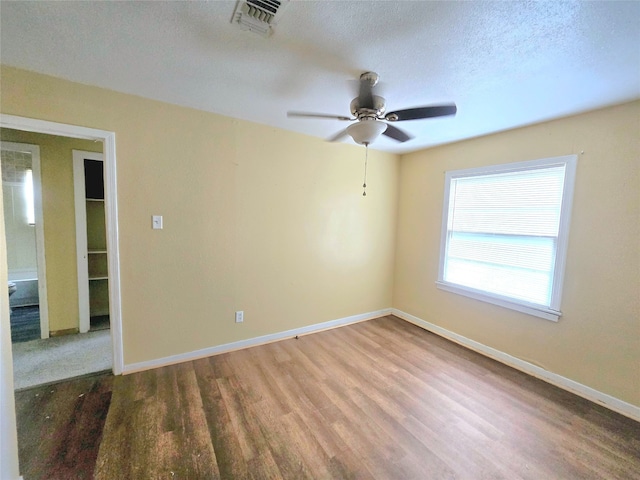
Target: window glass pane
x=533 y=253
x=513 y=266
x=502 y=231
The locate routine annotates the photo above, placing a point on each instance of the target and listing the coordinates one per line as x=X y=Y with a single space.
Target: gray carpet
x=45 y=361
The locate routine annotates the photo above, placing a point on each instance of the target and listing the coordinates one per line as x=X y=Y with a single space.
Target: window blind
x=502 y=232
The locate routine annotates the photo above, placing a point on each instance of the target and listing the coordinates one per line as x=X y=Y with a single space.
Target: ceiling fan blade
x=421 y=112
x=338 y=136
x=317 y=115
x=396 y=134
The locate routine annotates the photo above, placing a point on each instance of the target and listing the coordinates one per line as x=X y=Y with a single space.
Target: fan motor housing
x=377 y=110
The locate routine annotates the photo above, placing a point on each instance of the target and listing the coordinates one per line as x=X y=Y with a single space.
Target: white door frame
x=82 y=252
x=111 y=214
x=34 y=151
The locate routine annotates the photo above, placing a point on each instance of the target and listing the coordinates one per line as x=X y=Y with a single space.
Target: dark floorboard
x=60 y=427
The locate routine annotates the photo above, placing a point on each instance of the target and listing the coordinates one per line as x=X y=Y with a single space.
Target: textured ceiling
x=505 y=64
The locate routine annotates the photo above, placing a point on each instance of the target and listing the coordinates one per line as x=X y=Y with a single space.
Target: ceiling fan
x=369 y=111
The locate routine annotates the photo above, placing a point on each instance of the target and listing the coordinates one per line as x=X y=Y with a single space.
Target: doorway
x=24 y=231
x=8 y=433
x=103 y=141
x=66 y=354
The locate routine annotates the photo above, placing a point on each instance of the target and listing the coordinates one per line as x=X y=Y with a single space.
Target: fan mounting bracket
x=371 y=77
x=377 y=110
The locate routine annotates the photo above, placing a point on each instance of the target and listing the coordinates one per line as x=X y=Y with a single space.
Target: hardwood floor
x=379 y=399
x=60 y=427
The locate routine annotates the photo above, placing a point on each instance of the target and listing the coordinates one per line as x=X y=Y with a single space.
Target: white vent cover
x=258 y=16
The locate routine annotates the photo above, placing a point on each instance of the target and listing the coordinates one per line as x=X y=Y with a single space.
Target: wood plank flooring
x=380 y=399
x=60 y=427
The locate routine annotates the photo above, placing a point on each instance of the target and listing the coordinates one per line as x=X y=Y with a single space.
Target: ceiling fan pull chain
x=366 y=158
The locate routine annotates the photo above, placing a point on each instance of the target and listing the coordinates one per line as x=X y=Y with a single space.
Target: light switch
x=156 y=222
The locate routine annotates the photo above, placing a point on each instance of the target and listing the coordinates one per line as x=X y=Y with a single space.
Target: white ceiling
x=505 y=64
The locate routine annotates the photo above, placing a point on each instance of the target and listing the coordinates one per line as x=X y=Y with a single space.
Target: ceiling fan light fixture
x=369 y=110
x=366 y=131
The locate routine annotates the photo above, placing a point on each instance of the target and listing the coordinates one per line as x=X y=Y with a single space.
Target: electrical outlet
x=239 y=316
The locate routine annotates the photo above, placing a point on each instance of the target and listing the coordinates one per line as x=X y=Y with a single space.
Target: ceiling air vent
x=259 y=16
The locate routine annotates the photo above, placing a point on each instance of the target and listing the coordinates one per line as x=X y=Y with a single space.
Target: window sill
x=528 y=308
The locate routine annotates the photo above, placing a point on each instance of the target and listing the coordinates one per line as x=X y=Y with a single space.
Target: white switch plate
x=156 y=222
x=239 y=316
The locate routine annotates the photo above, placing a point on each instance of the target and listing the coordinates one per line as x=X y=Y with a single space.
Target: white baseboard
x=251 y=342
x=579 y=389
x=567 y=384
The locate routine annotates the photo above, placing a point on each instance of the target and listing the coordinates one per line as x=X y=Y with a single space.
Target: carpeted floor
x=25 y=324
x=43 y=361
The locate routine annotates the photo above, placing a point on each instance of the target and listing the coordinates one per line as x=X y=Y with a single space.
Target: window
x=28 y=196
x=504 y=233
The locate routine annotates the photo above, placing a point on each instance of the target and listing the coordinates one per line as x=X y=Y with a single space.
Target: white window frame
x=553 y=311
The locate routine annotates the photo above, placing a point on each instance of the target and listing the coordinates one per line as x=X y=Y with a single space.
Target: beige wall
x=58 y=211
x=273 y=223
x=255 y=219
x=597 y=340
